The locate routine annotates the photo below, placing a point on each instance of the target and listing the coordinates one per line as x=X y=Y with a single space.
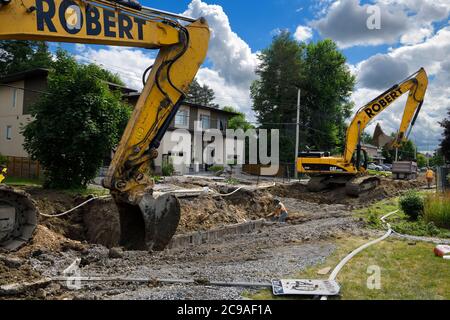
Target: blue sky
x=412 y=33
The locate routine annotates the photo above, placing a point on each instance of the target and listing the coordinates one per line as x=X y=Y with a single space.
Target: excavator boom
x=146 y=222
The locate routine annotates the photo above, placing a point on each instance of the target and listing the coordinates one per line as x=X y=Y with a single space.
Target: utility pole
x=297 y=134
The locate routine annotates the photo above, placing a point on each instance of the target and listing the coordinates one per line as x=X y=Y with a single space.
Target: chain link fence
x=443 y=178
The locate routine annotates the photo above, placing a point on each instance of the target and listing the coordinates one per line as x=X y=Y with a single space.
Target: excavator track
x=359 y=185
x=18 y=218
x=318 y=183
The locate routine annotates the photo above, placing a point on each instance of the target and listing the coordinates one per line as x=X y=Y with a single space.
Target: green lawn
x=408 y=271
x=22 y=182
x=379 y=173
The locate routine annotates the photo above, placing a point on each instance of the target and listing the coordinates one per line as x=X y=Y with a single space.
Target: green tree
x=20 y=55
x=406 y=152
x=238 y=121
x=366 y=138
x=75 y=124
x=437 y=159
x=202 y=95
x=445 y=144
x=328 y=84
x=421 y=160
x=320 y=71
x=274 y=94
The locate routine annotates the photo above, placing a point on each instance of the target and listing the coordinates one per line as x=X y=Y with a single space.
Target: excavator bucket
x=18 y=218
x=151 y=224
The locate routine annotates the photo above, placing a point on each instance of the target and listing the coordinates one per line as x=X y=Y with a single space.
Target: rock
x=41 y=293
x=37 y=253
x=12 y=262
x=324 y=271
x=115 y=253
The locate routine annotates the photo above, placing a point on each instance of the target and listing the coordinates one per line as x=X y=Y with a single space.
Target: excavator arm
x=416 y=85
x=146 y=223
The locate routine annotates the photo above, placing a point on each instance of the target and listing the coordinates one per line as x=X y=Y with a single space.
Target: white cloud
x=381 y=71
x=233 y=62
x=404 y=21
x=303 y=33
x=129 y=63
x=278 y=31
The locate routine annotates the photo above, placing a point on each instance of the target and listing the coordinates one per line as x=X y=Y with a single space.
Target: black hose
x=144 y=76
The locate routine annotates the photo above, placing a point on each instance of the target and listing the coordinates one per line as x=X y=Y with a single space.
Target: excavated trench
x=98 y=221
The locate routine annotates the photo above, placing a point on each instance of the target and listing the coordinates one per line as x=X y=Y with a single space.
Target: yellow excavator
x=350 y=168
x=146 y=222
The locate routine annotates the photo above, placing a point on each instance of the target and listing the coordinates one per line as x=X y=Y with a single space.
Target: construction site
x=139 y=181
x=222 y=237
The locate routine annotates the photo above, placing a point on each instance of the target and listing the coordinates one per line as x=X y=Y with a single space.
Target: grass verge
x=22 y=182
x=437 y=209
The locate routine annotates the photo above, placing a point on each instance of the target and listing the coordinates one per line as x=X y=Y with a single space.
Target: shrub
x=412 y=204
x=215 y=168
x=167 y=169
x=437 y=210
x=232 y=181
x=3 y=160
x=373 y=219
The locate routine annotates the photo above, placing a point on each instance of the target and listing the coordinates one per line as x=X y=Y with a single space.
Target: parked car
x=385 y=167
x=373 y=166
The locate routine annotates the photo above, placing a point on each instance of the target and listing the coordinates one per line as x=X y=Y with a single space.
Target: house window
x=181 y=119
x=206 y=121
x=8 y=132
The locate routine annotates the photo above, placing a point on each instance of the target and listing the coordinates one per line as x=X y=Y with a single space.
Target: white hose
x=341 y=264
x=243 y=187
x=74 y=208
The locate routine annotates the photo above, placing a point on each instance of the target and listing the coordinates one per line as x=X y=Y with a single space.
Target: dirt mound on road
x=387 y=188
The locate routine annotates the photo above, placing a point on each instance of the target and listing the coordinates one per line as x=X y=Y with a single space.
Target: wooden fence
x=20 y=167
x=284 y=171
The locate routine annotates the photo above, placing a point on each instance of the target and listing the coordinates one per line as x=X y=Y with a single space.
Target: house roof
x=38 y=72
x=368 y=145
x=136 y=94
x=127 y=91
x=41 y=72
x=199 y=106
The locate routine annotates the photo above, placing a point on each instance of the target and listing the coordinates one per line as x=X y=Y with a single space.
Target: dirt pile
x=14 y=274
x=387 y=188
x=98 y=222
x=206 y=212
